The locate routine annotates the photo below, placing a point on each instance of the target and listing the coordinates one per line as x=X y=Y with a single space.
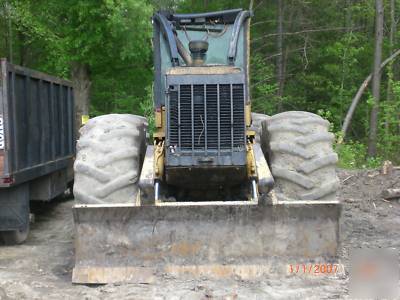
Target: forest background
x=311 y=55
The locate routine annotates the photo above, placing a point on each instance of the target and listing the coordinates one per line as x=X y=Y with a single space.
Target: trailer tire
x=299 y=150
x=14 y=237
x=109 y=159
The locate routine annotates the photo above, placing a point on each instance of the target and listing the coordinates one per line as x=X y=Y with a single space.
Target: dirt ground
x=41 y=268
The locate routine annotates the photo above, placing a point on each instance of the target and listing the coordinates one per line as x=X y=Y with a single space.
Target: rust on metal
x=186 y=249
x=1 y=161
x=208 y=70
x=102 y=275
x=137 y=243
x=251 y=161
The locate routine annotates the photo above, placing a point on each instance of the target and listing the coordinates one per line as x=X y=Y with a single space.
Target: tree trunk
x=345 y=72
x=80 y=74
x=391 y=193
x=389 y=92
x=357 y=97
x=280 y=59
x=22 y=49
x=348 y=18
x=10 y=33
x=376 y=79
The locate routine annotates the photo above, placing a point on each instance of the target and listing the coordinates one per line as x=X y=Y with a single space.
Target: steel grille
x=207 y=117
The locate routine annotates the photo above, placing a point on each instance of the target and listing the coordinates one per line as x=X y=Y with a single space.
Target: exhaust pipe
x=198 y=50
x=183 y=52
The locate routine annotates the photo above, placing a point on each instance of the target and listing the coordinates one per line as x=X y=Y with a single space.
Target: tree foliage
x=326 y=52
x=111 y=37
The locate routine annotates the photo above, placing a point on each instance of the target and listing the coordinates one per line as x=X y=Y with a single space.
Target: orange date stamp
x=315 y=269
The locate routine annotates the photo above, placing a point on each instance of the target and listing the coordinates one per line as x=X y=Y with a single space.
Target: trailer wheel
x=109 y=159
x=15 y=237
x=300 y=155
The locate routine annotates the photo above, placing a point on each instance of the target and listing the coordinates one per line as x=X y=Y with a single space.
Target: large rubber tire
x=299 y=150
x=14 y=237
x=109 y=158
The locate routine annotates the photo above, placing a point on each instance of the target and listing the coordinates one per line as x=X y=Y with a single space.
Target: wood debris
x=391 y=193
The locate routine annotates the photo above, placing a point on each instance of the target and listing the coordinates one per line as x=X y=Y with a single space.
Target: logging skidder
x=201 y=199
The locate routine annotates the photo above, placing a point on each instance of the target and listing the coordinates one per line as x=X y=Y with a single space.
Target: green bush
x=146 y=108
x=352 y=155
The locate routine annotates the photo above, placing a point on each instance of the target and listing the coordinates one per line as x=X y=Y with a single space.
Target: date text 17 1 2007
x=315 y=268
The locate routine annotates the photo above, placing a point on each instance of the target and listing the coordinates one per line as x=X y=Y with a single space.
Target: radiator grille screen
x=207 y=116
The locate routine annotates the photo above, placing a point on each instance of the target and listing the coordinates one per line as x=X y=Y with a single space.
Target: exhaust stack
x=198 y=50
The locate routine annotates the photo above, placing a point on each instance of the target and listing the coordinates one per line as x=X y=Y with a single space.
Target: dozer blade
x=122 y=242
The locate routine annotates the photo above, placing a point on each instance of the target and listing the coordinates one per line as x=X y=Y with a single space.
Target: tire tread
x=299 y=150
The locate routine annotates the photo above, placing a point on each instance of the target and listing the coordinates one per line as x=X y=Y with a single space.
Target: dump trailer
x=213 y=194
x=36 y=144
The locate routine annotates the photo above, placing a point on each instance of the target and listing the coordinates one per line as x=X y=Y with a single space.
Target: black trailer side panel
x=37 y=111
